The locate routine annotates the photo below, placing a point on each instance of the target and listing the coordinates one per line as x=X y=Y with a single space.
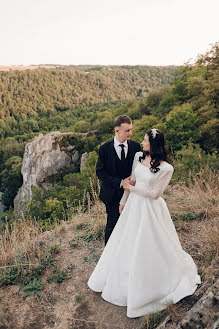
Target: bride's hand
x=121 y=206
x=126 y=186
x=127 y=181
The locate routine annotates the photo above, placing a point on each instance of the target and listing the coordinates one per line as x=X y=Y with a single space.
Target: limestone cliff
x=44 y=156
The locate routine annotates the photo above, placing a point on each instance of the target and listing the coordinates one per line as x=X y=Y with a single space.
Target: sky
x=106 y=32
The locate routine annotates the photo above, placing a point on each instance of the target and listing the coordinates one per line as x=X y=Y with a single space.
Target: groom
x=114 y=166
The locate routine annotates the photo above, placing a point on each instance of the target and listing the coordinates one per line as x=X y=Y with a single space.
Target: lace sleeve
x=135 y=162
x=158 y=188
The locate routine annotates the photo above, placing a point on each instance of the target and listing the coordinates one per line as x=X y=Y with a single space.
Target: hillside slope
x=65 y=301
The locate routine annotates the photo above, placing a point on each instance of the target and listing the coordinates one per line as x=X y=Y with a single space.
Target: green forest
x=29 y=93
x=182 y=102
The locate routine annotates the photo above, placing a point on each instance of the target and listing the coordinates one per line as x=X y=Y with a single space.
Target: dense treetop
x=36 y=91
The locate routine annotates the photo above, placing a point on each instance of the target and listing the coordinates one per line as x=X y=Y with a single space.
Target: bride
x=143 y=265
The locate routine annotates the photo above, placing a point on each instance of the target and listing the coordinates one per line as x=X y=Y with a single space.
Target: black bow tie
x=122 y=152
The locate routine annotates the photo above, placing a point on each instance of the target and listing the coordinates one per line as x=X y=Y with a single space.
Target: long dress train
x=143 y=265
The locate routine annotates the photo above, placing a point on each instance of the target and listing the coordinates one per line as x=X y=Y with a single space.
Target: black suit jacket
x=107 y=172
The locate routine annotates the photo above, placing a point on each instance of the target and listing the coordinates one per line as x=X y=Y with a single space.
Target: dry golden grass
x=20 y=243
x=211 y=251
x=199 y=197
x=91 y=210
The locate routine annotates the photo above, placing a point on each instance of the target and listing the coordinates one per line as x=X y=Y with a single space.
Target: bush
x=140 y=126
x=181 y=127
x=191 y=160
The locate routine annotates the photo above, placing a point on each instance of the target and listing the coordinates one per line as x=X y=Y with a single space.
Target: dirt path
x=67 y=305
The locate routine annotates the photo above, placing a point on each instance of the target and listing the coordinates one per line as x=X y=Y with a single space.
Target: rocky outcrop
x=204 y=314
x=45 y=156
x=83 y=160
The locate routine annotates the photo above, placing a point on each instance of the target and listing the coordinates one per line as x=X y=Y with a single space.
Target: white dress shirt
x=119 y=149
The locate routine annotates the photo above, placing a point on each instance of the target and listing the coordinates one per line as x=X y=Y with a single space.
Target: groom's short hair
x=122 y=119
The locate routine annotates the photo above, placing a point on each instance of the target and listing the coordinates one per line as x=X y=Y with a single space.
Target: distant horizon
x=22 y=67
x=52 y=65
x=189 y=60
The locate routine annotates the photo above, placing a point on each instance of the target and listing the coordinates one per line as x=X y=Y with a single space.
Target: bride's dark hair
x=158 y=150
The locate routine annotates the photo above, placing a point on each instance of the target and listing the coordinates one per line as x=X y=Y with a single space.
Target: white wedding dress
x=143 y=265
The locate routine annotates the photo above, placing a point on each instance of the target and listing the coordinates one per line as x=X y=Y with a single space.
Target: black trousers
x=112 y=210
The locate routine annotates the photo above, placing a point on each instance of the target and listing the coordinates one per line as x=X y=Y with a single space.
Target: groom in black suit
x=114 y=167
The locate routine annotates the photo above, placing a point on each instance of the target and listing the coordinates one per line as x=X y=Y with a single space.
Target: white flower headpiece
x=154 y=132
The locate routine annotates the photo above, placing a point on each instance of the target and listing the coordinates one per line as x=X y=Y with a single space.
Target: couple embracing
x=143 y=265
